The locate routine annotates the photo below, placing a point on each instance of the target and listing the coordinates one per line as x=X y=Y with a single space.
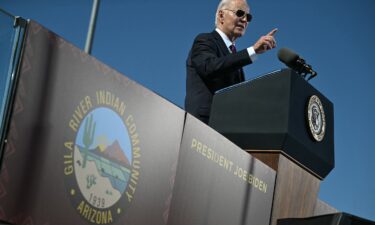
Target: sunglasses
x=240 y=13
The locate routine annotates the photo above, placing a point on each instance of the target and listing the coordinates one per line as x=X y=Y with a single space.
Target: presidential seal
x=102 y=162
x=316 y=118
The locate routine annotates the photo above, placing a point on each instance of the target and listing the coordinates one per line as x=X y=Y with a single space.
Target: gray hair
x=222 y=4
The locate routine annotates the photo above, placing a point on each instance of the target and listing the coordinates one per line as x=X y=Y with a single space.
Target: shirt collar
x=224 y=37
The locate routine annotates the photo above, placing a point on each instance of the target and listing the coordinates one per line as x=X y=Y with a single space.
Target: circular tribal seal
x=102 y=158
x=316 y=118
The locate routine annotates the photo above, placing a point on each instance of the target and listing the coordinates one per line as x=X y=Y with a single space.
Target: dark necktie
x=233 y=48
x=241 y=76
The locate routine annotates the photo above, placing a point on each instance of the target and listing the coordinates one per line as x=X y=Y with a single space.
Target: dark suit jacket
x=210 y=67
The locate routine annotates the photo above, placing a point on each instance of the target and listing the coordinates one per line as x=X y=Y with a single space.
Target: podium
x=285 y=122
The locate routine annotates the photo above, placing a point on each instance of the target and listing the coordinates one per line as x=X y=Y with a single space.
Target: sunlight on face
x=232 y=25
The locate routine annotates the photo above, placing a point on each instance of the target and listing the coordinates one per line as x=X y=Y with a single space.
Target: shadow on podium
x=329 y=219
x=4 y=223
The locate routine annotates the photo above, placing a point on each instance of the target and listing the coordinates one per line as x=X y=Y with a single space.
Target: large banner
x=89 y=146
x=218 y=183
x=86 y=144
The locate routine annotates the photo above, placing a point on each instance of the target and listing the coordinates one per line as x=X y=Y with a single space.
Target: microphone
x=295 y=62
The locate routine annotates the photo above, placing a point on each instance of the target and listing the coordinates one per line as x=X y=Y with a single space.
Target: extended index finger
x=272 y=32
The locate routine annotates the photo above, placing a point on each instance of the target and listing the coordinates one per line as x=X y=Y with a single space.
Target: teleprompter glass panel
x=11 y=35
x=7 y=33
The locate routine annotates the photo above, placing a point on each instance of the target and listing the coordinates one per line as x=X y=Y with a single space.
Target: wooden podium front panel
x=296 y=189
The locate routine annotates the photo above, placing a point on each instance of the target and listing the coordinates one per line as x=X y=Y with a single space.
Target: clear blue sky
x=148 y=41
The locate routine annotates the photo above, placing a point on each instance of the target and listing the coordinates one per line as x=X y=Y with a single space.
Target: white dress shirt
x=250 y=50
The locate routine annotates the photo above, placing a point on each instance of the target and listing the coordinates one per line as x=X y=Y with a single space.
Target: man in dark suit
x=214 y=63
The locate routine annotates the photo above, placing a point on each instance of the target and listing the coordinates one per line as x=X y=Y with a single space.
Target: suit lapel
x=221 y=43
x=224 y=49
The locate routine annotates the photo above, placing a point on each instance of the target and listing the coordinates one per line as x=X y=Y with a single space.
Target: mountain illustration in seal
x=113 y=153
x=111 y=162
